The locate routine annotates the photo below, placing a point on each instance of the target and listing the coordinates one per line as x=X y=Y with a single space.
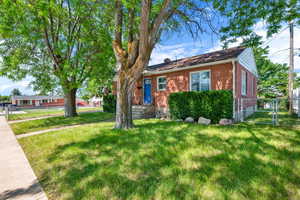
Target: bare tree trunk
x=124 y=104
x=291 y=68
x=70 y=103
x=131 y=62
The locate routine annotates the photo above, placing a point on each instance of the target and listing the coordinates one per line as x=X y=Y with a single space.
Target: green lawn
x=164 y=160
x=266 y=118
x=33 y=113
x=53 y=122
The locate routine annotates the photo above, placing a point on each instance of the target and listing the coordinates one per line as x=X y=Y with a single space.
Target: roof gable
x=247 y=59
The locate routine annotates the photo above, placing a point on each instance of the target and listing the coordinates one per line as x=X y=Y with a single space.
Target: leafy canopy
x=57 y=42
x=244 y=15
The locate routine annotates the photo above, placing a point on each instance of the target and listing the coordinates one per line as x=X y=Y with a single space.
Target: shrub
x=109 y=103
x=213 y=104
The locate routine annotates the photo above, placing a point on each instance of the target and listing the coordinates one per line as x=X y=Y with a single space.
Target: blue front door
x=147 y=91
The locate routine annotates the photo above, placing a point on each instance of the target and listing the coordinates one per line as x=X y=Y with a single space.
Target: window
x=244 y=83
x=45 y=101
x=200 y=81
x=161 y=83
x=24 y=102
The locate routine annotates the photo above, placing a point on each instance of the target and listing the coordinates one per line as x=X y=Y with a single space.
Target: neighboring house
x=95 y=101
x=230 y=69
x=296 y=100
x=41 y=101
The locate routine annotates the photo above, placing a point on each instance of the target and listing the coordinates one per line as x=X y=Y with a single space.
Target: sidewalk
x=17 y=179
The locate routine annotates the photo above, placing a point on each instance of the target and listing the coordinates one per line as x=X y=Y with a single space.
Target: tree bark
x=131 y=62
x=70 y=103
x=124 y=103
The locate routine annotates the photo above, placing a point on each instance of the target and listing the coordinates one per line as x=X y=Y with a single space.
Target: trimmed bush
x=213 y=105
x=109 y=103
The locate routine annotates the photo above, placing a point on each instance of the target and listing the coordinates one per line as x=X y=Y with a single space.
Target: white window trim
x=157 y=83
x=244 y=93
x=198 y=72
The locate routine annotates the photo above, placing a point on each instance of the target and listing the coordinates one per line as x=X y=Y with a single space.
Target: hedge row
x=213 y=105
x=109 y=103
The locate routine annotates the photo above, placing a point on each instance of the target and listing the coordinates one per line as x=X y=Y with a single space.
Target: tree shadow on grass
x=168 y=160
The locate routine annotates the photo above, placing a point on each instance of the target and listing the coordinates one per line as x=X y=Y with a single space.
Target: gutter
x=190 y=67
x=233 y=87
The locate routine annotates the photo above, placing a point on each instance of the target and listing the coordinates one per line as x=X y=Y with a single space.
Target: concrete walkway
x=30 y=119
x=59 y=128
x=17 y=179
x=49 y=130
x=48 y=116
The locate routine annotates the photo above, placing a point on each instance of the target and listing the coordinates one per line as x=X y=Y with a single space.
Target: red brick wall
x=57 y=102
x=250 y=97
x=221 y=78
x=250 y=78
x=138 y=93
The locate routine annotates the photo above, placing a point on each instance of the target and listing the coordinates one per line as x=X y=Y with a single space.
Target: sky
x=180 y=45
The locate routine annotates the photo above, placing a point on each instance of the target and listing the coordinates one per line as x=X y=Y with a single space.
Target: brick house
x=230 y=69
x=41 y=101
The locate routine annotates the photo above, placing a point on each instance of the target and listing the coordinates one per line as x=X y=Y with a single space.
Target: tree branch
x=164 y=13
x=144 y=27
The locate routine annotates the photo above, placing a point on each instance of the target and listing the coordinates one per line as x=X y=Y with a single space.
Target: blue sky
x=179 y=45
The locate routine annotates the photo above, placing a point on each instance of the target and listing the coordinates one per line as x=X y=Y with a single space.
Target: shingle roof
x=199 y=59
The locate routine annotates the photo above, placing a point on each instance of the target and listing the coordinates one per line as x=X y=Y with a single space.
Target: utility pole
x=291 y=67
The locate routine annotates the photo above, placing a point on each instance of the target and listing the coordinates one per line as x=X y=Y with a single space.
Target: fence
x=264 y=110
x=257 y=110
x=296 y=101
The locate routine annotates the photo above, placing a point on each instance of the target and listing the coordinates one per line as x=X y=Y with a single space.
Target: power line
x=282 y=50
x=272 y=38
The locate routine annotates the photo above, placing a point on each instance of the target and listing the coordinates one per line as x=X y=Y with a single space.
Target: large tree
x=276 y=14
x=16 y=92
x=138 y=27
x=60 y=43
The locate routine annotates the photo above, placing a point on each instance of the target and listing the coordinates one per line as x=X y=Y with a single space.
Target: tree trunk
x=124 y=103
x=70 y=103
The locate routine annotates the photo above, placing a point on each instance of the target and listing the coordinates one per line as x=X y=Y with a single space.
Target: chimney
x=167 y=60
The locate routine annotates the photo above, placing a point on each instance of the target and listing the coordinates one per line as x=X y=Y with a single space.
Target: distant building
x=95 y=101
x=32 y=101
x=41 y=101
x=296 y=100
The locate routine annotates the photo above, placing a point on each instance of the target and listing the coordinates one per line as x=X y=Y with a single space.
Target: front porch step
x=143 y=111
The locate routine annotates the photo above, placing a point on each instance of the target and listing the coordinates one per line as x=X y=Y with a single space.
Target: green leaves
x=272 y=77
x=214 y=105
x=57 y=42
x=243 y=15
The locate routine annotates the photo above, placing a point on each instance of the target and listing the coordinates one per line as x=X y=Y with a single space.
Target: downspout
x=233 y=88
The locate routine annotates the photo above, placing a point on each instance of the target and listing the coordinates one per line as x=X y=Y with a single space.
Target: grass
x=284 y=119
x=33 y=113
x=59 y=121
x=167 y=160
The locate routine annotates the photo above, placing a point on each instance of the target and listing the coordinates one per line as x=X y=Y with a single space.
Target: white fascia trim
x=190 y=67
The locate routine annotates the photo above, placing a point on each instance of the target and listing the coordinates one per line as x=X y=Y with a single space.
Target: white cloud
x=6 y=86
x=279 y=44
x=173 y=52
